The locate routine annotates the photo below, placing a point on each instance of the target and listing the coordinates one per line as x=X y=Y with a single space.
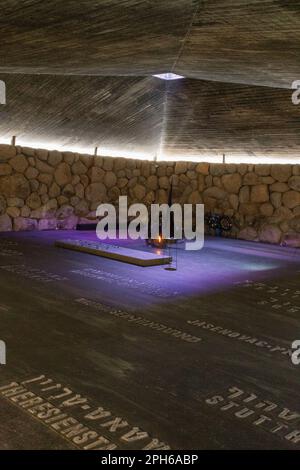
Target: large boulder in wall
x=215 y=192
x=270 y=233
x=5 y=169
x=247 y=233
x=20 y=224
x=47 y=224
x=291 y=199
x=259 y=193
x=291 y=239
x=5 y=223
x=63 y=174
x=19 y=163
x=180 y=167
x=54 y=158
x=64 y=211
x=295 y=224
x=95 y=192
x=68 y=223
x=294 y=183
x=281 y=173
x=3 y=205
x=15 y=186
x=7 y=152
x=232 y=183
x=110 y=179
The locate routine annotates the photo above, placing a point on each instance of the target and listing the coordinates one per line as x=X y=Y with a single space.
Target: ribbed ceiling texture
x=79 y=73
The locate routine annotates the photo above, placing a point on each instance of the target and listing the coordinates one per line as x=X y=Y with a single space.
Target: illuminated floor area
x=103 y=355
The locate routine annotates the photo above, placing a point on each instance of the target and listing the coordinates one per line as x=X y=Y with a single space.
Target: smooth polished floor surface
x=105 y=355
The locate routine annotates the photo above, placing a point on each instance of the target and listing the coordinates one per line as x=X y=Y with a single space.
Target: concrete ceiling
x=79 y=73
x=117 y=113
x=242 y=121
x=148 y=116
x=242 y=41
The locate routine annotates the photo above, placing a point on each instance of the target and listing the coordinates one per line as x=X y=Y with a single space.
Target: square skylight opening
x=169 y=76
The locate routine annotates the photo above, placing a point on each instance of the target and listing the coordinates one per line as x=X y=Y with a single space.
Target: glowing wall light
x=102 y=151
x=230 y=158
x=209 y=157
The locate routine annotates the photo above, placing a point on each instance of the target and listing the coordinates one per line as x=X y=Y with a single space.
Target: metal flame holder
x=172 y=255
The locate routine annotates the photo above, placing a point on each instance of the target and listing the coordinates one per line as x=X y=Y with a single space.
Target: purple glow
x=221 y=265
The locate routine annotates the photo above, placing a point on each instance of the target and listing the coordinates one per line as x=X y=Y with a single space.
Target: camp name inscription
x=4 y=308
x=4 y=242
x=10 y=252
x=259 y=343
x=75 y=418
x=143 y=286
x=7 y=248
x=280 y=298
x=34 y=274
x=248 y=407
x=141 y=321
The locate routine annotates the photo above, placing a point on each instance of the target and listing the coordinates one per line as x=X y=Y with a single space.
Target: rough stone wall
x=42 y=189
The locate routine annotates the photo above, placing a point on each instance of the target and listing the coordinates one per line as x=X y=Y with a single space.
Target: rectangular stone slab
x=118 y=253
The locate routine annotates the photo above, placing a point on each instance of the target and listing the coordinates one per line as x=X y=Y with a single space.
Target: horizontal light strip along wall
x=203 y=157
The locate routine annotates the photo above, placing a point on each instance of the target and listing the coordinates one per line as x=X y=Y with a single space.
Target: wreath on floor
x=219 y=223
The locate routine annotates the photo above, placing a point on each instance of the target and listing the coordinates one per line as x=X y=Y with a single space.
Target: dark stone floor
x=198 y=358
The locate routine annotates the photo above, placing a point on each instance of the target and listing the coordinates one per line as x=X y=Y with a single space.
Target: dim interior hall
x=113 y=342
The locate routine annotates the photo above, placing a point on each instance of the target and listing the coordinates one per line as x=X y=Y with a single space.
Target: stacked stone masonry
x=47 y=190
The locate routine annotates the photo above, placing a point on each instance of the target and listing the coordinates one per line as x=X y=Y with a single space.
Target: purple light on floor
x=220 y=266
